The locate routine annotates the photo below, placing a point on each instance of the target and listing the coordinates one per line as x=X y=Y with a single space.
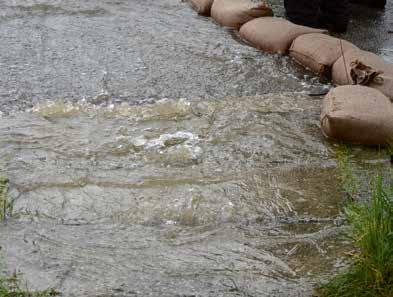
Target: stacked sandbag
x=319 y=52
x=346 y=71
x=358 y=115
x=202 y=7
x=235 y=13
x=273 y=35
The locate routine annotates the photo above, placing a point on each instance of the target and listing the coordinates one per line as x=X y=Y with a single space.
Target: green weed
x=371 y=274
x=10 y=287
x=4 y=204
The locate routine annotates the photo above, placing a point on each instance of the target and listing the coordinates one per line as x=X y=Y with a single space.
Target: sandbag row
x=323 y=54
x=351 y=113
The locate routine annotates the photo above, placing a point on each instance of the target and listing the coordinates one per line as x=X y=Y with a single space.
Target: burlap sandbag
x=341 y=72
x=202 y=7
x=273 y=35
x=357 y=114
x=235 y=13
x=319 y=52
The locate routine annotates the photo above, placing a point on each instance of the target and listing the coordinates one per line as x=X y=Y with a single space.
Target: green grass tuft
x=4 y=204
x=10 y=287
x=371 y=274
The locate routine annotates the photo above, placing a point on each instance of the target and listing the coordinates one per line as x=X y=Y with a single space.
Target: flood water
x=227 y=188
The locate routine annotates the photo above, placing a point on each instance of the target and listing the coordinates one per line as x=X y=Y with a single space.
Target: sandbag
x=202 y=7
x=341 y=72
x=273 y=35
x=357 y=114
x=318 y=52
x=234 y=13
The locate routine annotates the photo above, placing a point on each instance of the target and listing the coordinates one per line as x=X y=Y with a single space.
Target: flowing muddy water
x=231 y=197
x=124 y=193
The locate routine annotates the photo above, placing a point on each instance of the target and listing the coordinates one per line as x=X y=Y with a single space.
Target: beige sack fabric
x=235 y=13
x=273 y=35
x=202 y=7
x=341 y=72
x=319 y=52
x=357 y=114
